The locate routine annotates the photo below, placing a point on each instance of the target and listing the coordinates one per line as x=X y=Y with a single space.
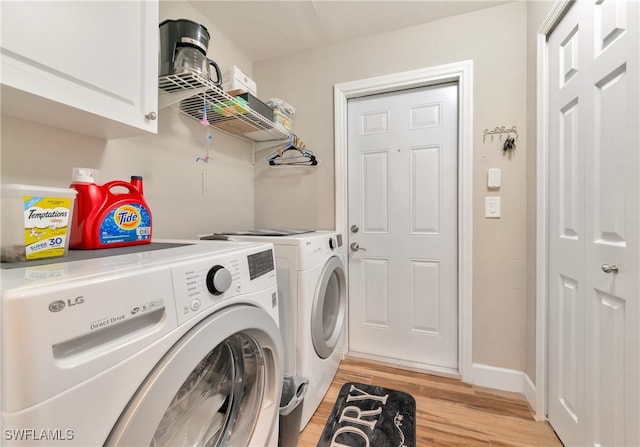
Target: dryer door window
x=329 y=307
x=218 y=385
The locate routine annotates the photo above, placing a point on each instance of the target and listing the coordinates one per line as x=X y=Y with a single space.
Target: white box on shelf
x=235 y=79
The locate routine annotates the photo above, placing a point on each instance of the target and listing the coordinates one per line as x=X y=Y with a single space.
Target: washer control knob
x=332 y=243
x=218 y=280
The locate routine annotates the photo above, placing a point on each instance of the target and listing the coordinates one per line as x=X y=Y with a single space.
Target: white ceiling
x=266 y=29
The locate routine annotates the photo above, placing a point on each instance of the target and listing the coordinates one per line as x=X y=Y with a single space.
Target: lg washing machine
x=173 y=343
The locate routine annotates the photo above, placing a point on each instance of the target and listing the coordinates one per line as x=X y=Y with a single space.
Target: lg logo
x=58 y=305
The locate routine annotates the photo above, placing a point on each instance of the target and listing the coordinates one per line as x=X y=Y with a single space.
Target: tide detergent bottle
x=111 y=215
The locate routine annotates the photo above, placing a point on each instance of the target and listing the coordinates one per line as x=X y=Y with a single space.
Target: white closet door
x=594 y=200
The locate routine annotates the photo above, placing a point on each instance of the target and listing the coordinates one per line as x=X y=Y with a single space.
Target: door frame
x=462 y=74
x=542 y=205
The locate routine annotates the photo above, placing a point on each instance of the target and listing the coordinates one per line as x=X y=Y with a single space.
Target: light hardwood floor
x=449 y=412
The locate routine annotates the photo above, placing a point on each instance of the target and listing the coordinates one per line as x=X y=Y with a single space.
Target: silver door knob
x=356 y=247
x=151 y=116
x=354 y=228
x=609 y=268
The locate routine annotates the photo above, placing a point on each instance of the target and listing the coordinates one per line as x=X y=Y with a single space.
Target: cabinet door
x=61 y=60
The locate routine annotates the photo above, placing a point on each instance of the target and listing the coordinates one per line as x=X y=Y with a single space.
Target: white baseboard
x=529 y=392
x=506 y=380
x=498 y=378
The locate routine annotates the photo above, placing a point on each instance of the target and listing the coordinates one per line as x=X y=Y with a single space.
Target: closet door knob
x=609 y=268
x=151 y=116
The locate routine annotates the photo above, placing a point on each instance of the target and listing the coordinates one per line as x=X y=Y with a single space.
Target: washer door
x=220 y=384
x=329 y=307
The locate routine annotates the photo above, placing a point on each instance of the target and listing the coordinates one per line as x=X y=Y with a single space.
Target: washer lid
x=268 y=232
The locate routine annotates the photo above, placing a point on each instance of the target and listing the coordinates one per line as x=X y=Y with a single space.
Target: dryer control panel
x=260 y=263
x=335 y=243
x=201 y=283
x=317 y=248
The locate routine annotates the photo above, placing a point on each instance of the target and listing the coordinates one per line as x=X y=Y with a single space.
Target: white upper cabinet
x=89 y=67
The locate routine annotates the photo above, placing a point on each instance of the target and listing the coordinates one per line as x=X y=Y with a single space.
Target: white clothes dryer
x=163 y=344
x=313 y=294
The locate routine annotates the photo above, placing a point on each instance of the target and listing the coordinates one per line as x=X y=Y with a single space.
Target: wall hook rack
x=499 y=131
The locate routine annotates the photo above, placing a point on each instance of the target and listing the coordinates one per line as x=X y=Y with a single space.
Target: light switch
x=492 y=207
x=494 y=178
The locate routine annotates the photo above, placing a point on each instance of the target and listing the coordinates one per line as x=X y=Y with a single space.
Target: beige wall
x=495 y=39
x=41 y=155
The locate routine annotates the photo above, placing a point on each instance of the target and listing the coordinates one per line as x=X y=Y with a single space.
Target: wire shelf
x=189 y=93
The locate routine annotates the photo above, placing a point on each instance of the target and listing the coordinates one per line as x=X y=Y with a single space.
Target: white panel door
x=594 y=201
x=402 y=162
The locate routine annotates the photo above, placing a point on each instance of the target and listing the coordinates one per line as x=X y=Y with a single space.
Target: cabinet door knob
x=151 y=116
